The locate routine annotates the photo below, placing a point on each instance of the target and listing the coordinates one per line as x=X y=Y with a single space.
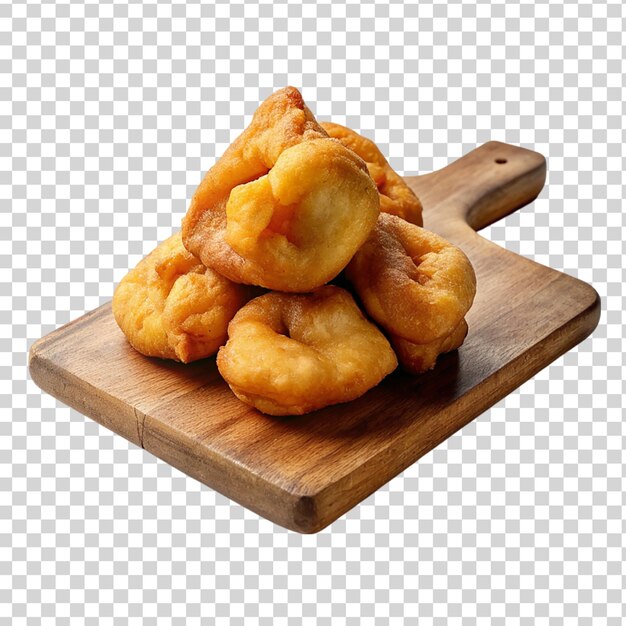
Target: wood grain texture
x=304 y=472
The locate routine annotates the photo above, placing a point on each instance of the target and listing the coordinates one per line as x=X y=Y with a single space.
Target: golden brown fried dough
x=417 y=358
x=173 y=307
x=286 y=207
x=414 y=283
x=396 y=197
x=290 y=354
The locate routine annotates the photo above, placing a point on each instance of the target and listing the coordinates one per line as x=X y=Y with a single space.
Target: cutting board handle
x=483 y=186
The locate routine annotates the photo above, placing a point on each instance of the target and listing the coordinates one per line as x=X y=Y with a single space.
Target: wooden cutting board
x=304 y=472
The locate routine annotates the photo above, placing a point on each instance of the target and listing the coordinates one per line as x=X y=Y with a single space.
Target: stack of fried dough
x=291 y=207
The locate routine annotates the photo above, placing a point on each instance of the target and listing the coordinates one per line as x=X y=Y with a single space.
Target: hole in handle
x=500 y=161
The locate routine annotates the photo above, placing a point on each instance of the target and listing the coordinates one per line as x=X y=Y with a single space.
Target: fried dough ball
x=396 y=197
x=418 y=358
x=290 y=354
x=286 y=207
x=173 y=307
x=414 y=283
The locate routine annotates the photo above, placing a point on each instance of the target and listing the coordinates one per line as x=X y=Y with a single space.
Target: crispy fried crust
x=418 y=358
x=290 y=354
x=414 y=283
x=173 y=307
x=396 y=197
x=286 y=207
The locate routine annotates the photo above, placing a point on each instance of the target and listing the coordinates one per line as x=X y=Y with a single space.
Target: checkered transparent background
x=109 y=115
